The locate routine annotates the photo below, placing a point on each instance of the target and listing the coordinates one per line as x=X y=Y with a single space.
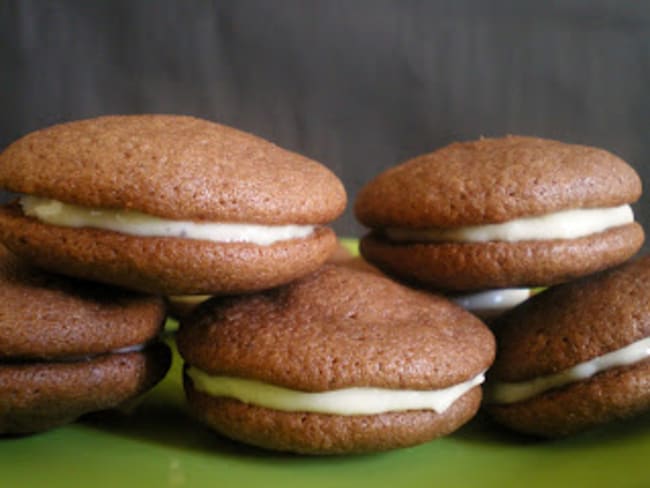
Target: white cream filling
x=491 y=303
x=347 y=401
x=516 y=392
x=567 y=224
x=88 y=357
x=139 y=224
x=128 y=349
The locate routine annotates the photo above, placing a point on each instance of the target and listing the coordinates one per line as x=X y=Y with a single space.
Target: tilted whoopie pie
x=167 y=204
x=576 y=355
x=68 y=348
x=501 y=213
x=341 y=361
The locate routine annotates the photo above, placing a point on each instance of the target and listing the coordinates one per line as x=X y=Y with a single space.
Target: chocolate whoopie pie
x=341 y=361
x=576 y=355
x=496 y=213
x=167 y=204
x=68 y=348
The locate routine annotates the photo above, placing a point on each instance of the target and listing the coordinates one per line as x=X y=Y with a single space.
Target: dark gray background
x=357 y=85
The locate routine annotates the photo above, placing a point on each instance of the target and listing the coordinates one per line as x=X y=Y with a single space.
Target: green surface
x=159 y=445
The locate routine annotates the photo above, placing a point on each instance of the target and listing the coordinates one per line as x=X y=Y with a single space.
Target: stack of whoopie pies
x=286 y=350
x=289 y=353
x=487 y=220
x=147 y=206
x=68 y=347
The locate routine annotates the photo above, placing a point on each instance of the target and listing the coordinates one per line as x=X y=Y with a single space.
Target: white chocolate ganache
x=347 y=401
x=139 y=224
x=491 y=303
x=567 y=224
x=504 y=393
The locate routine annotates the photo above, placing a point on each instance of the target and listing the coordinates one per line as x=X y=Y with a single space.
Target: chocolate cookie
x=182 y=305
x=576 y=355
x=341 y=361
x=167 y=204
x=68 y=348
x=495 y=213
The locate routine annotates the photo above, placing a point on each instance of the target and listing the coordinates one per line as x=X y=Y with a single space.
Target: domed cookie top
x=174 y=167
x=493 y=181
x=338 y=328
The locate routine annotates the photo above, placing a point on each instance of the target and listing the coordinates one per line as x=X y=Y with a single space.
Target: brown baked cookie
x=182 y=305
x=69 y=347
x=167 y=204
x=344 y=257
x=494 y=213
x=324 y=365
x=357 y=262
x=576 y=355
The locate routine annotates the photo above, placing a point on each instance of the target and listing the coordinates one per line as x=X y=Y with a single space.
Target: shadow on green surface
x=482 y=430
x=167 y=426
x=170 y=427
x=612 y=433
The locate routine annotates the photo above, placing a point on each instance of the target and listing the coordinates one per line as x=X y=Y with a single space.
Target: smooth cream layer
x=347 y=401
x=567 y=224
x=491 y=303
x=135 y=223
x=516 y=392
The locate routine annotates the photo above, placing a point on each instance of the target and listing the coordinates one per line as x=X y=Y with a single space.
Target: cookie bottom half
x=36 y=396
x=159 y=265
x=488 y=265
x=312 y=433
x=606 y=397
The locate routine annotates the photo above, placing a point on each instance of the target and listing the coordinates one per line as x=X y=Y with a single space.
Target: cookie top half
x=338 y=328
x=48 y=316
x=493 y=181
x=573 y=323
x=171 y=166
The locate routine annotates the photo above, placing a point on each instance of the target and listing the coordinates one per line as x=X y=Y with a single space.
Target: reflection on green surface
x=351 y=245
